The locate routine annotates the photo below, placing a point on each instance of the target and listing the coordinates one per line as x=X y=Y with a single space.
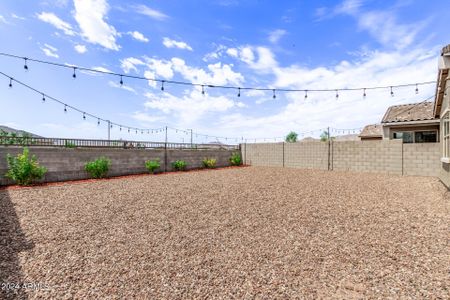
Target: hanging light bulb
x=65 y=108
x=121 y=80
x=337 y=94
x=74 y=75
x=203 y=90
x=136 y=131
x=142 y=131
x=84 y=116
x=162 y=85
x=10 y=82
x=25 y=66
x=239 y=92
x=43 y=98
x=274 y=95
x=111 y=125
x=120 y=128
x=128 y=130
x=392 y=92
x=364 y=93
x=417 y=88
x=306 y=94
x=98 y=121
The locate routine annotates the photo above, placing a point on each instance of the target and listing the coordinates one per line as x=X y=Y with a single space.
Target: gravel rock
x=247 y=233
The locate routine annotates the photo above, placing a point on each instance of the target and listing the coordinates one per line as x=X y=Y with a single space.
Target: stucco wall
x=68 y=164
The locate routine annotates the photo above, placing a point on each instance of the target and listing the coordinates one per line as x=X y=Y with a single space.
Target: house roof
x=444 y=67
x=409 y=112
x=373 y=130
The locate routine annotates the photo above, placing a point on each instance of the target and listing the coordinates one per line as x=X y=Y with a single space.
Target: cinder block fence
x=68 y=164
x=390 y=156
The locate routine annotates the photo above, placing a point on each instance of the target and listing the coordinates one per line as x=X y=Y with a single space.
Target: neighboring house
x=413 y=123
x=372 y=133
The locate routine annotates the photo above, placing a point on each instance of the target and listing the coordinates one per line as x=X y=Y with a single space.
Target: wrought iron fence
x=89 y=143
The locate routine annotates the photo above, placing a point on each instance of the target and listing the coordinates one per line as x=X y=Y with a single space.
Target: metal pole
x=191 y=137
x=165 y=152
x=329 y=146
x=109 y=130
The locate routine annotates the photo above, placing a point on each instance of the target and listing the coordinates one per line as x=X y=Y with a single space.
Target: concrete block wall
x=68 y=164
x=269 y=154
x=373 y=156
x=422 y=159
x=310 y=155
x=385 y=156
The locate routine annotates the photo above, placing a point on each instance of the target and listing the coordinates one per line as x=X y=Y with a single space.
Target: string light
x=10 y=82
x=274 y=96
x=84 y=116
x=364 y=95
x=201 y=84
x=98 y=121
x=392 y=92
x=306 y=94
x=111 y=125
x=25 y=66
x=203 y=90
x=65 y=108
x=239 y=92
x=74 y=74
x=121 y=80
x=337 y=94
x=43 y=98
x=120 y=128
x=417 y=89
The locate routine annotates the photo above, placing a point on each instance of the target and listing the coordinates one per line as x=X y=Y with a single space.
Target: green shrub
x=22 y=169
x=98 y=168
x=179 y=165
x=209 y=163
x=69 y=144
x=152 y=165
x=235 y=159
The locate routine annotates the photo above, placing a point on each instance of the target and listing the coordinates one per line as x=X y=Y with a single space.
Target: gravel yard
x=233 y=233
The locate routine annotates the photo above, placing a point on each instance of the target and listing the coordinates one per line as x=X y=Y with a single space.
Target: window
x=406 y=136
x=445 y=135
x=425 y=137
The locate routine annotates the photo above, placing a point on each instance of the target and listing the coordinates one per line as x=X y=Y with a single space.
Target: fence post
x=329 y=146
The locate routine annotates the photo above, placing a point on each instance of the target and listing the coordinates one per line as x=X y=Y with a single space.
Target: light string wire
x=203 y=85
x=85 y=114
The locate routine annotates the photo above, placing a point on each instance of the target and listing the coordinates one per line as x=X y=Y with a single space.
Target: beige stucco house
x=413 y=123
x=441 y=110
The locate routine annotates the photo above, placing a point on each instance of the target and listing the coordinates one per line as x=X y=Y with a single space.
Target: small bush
x=98 y=168
x=69 y=144
x=179 y=165
x=152 y=165
x=209 y=163
x=235 y=159
x=22 y=169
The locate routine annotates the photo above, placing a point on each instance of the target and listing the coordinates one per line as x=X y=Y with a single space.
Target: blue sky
x=283 y=44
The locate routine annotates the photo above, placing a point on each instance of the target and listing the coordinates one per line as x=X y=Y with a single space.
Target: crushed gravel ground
x=241 y=233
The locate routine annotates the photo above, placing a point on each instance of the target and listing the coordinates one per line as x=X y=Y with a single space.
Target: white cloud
x=146 y=118
x=159 y=68
x=276 y=35
x=80 y=48
x=14 y=16
x=91 y=15
x=3 y=20
x=138 y=36
x=233 y=52
x=191 y=106
x=261 y=59
x=130 y=63
x=50 y=51
x=54 y=20
x=150 y=12
x=169 y=43
x=122 y=86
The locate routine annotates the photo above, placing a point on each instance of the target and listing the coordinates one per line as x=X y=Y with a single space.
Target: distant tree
x=291 y=137
x=324 y=136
